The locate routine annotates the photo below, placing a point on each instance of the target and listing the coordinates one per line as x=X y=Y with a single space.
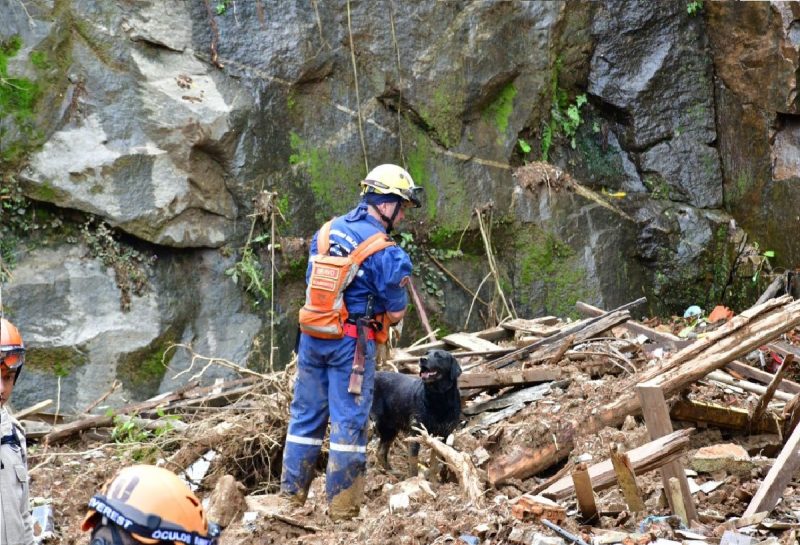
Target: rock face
x=167 y=120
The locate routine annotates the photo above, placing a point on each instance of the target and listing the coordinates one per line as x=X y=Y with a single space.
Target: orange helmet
x=12 y=349
x=152 y=505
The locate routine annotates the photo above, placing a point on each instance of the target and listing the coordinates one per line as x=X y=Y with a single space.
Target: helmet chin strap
x=390 y=221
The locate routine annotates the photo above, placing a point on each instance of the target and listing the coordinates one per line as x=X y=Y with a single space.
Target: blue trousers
x=320 y=393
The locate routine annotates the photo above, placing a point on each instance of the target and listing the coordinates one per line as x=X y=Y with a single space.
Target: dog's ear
x=455 y=368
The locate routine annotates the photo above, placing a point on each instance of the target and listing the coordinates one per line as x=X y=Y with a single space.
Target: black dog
x=432 y=400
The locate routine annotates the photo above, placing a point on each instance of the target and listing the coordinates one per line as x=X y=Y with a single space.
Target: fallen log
x=646 y=458
x=746 y=332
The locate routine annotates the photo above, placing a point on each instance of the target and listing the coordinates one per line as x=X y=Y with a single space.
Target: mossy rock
x=142 y=371
x=59 y=362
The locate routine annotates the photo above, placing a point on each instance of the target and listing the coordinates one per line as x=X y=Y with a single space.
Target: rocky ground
x=247 y=434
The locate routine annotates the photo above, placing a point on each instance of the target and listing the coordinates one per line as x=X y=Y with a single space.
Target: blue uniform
x=324 y=369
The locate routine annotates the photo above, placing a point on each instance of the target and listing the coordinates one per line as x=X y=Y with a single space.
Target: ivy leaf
x=769 y=253
x=524 y=146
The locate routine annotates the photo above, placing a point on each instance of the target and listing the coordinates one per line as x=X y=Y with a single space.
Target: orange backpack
x=324 y=313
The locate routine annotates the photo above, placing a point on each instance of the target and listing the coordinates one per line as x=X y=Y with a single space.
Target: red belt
x=351 y=330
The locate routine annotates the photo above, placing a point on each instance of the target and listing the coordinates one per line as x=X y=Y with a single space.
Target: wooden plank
x=723 y=377
x=19 y=415
x=507 y=378
x=585 y=493
x=626 y=478
x=745 y=332
x=748 y=371
x=678 y=499
x=737 y=366
x=656 y=418
x=541 y=327
x=771 y=489
x=763 y=401
x=583 y=330
x=646 y=458
x=720 y=416
x=470 y=342
x=491 y=334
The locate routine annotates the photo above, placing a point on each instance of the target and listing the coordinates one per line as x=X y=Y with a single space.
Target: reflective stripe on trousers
x=320 y=392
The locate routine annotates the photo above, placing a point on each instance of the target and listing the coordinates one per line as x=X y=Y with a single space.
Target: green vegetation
x=55 y=361
x=444 y=114
x=565 y=116
x=222 y=6
x=431 y=277
x=131 y=267
x=500 y=110
x=249 y=270
x=525 y=148
x=694 y=7
x=549 y=269
x=333 y=182
x=143 y=370
x=418 y=164
x=18 y=97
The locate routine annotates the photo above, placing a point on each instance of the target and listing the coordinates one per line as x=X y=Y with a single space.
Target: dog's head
x=439 y=368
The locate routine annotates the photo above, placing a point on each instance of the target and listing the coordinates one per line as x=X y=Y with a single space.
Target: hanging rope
x=358 y=97
x=399 y=85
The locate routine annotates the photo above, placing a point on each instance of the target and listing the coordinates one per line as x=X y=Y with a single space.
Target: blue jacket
x=380 y=274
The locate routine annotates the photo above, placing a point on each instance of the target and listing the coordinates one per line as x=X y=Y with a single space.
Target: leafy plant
x=431 y=277
x=524 y=147
x=249 y=270
x=131 y=267
x=762 y=261
x=130 y=430
x=565 y=116
x=222 y=6
x=694 y=7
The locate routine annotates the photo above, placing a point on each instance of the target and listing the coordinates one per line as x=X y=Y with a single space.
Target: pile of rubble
x=605 y=430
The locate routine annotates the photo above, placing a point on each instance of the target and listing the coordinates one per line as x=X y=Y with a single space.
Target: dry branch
x=461 y=463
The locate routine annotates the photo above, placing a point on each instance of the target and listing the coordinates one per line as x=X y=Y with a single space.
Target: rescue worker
x=325 y=365
x=147 y=504
x=16 y=523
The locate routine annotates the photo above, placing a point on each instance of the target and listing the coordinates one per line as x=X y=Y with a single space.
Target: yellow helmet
x=391 y=179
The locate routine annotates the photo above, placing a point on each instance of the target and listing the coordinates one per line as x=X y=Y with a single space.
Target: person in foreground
x=16 y=524
x=355 y=290
x=147 y=504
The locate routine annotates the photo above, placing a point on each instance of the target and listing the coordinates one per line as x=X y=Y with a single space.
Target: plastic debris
x=692 y=311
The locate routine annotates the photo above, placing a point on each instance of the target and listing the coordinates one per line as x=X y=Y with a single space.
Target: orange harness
x=325 y=314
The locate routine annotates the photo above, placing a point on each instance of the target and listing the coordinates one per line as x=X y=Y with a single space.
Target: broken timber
x=675 y=342
x=646 y=458
x=779 y=475
x=583 y=330
x=721 y=416
x=507 y=378
x=626 y=479
x=743 y=333
x=656 y=417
